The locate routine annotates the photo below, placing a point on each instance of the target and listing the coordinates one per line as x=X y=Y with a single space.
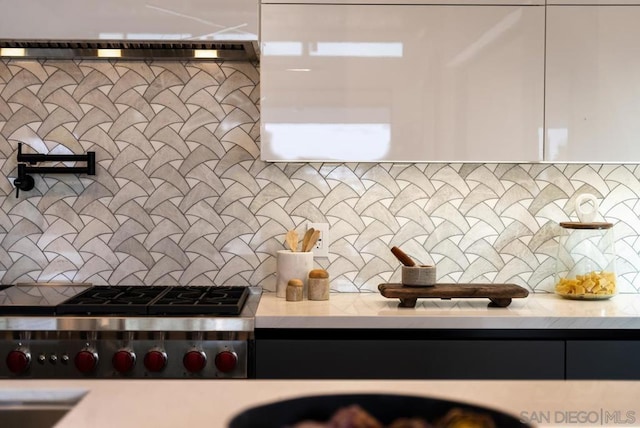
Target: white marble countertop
x=372 y=310
x=212 y=403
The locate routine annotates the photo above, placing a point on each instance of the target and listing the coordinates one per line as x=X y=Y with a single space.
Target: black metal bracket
x=25 y=182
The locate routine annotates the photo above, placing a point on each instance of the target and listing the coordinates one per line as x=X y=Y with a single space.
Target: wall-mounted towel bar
x=25 y=182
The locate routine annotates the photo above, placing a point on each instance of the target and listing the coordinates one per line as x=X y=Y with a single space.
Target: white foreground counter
x=211 y=403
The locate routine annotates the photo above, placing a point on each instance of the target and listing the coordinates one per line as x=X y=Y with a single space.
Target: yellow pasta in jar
x=590 y=284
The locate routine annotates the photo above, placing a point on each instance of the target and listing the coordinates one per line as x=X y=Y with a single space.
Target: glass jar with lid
x=585 y=265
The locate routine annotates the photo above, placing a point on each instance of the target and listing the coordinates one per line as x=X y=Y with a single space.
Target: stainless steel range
x=79 y=331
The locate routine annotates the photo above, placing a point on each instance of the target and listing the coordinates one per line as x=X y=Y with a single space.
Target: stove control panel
x=109 y=358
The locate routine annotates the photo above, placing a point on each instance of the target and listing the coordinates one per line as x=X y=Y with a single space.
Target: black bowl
x=384 y=407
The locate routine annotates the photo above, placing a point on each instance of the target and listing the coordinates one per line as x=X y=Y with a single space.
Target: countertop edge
x=372 y=311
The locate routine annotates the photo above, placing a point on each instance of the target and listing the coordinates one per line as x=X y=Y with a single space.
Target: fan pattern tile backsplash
x=181 y=197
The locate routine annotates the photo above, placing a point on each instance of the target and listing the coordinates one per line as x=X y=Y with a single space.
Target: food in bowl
x=354 y=416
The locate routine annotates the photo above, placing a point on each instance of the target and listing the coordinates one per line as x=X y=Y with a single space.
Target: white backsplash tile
x=180 y=196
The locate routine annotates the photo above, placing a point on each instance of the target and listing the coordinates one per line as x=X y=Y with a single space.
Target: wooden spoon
x=306 y=238
x=402 y=256
x=292 y=240
x=312 y=241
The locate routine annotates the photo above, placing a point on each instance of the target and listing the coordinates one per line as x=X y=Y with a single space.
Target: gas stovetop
x=156 y=300
x=122 y=300
x=141 y=332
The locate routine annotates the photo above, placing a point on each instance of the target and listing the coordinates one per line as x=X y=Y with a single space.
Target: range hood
x=135 y=50
x=223 y=30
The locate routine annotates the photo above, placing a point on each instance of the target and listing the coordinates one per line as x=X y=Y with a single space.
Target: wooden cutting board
x=499 y=295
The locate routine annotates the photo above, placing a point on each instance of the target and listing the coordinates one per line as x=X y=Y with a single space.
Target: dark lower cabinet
x=447 y=354
x=603 y=359
x=409 y=359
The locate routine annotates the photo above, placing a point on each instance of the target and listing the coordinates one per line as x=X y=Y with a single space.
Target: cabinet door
x=129 y=20
x=402 y=82
x=409 y=359
x=603 y=359
x=592 y=2
x=593 y=84
x=456 y=2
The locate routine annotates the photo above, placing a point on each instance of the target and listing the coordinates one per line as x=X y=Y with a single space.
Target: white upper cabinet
x=593 y=2
x=422 y=2
x=593 y=84
x=208 y=20
x=402 y=82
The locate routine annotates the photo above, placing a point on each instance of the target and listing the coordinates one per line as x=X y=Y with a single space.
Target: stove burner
x=156 y=300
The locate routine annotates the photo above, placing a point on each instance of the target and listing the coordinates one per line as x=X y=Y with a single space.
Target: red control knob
x=226 y=361
x=123 y=360
x=194 y=361
x=18 y=361
x=86 y=361
x=155 y=360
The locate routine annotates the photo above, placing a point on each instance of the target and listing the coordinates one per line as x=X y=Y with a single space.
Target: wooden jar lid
x=295 y=282
x=591 y=225
x=318 y=273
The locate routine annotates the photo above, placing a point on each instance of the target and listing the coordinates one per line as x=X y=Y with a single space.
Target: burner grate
x=156 y=300
x=219 y=300
x=111 y=300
